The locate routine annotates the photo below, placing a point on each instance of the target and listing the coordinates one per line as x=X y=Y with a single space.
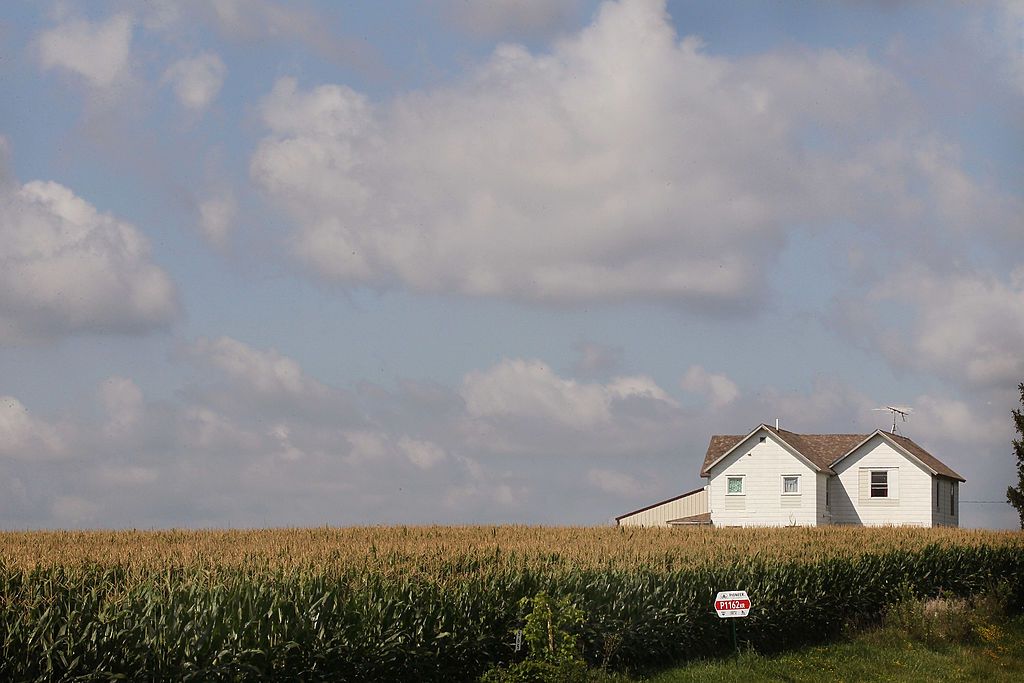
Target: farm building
x=774 y=477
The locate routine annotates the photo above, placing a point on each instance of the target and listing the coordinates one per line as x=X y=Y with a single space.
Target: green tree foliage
x=1015 y=494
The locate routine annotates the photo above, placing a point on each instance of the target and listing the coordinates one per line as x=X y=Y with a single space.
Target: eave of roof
x=823 y=451
x=722 y=445
x=703 y=518
x=910 y=449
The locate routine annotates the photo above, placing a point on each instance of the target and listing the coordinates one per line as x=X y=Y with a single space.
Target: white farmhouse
x=774 y=477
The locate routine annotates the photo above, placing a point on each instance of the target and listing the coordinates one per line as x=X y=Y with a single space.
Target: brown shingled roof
x=823 y=450
x=924 y=456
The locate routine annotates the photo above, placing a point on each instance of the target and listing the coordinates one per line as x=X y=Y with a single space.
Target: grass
x=885 y=654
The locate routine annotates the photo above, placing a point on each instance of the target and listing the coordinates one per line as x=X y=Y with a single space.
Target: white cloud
x=614 y=482
x=531 y=389
x=423 y=454
x=75 y=510
x=123 y=402
x=953 y=423
x=96 y=51
x=718 y=388
x=266 y=372
x=196 y=81
x=24 y=436
x=964 y=326
x=127 y=475
x=66 y=268
x=623 y=164
x=1007 y=40
x=511 y=17
x=366 y=446
x=217 y=218
x=596 y=359
x=523 y=406
x=210 y=456
x=206 y=430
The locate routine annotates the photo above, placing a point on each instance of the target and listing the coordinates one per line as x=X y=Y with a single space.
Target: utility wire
x=993 y=502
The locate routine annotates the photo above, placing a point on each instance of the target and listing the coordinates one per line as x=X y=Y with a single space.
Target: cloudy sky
x=494 y=260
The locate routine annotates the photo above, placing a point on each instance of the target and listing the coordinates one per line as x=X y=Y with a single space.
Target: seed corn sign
x=732 y=604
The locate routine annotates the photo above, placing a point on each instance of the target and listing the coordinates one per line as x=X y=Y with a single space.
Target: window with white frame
x=790 y=484
x=734 y=486
x=879 y=483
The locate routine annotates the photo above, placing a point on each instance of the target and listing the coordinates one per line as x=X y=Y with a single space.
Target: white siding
x=762 y=465
x=695 y=503
x=944 y=511
x=824 y=510
x=911 y=496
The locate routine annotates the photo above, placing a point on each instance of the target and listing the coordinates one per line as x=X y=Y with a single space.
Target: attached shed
x=688 y=509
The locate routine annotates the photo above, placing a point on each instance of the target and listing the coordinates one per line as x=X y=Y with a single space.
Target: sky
x=494 y=261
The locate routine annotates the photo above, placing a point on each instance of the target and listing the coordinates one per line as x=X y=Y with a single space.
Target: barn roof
x=824 y=450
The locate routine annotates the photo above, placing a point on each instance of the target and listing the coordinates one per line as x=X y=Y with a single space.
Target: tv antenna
x=900 y=411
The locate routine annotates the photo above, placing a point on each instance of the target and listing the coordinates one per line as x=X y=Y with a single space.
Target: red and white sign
x=732 y=604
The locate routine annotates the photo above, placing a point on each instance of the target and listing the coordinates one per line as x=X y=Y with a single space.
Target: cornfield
x=441 y=603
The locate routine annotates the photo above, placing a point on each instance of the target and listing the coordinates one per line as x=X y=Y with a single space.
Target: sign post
x=732 y=604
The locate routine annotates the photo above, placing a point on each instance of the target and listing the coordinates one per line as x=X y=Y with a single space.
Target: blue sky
x=463 y=261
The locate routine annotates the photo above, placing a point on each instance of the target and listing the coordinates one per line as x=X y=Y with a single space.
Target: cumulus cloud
x=196 y=81
x=966 y=326
x=523 y=406
x=949 y=421
x=75 y=510
x=614 y=482
x=496 y=18
x=1007 y=40
x=596 y=359
x=624 y=163
x=531 y=389
x=24 y=436
x=263 y=21
x=122 y=400
x=718 y=388
x=423 y=454
x=96 y=51
x=265 y=372
x=217 y=218
x=67 y=268
x=210 y=456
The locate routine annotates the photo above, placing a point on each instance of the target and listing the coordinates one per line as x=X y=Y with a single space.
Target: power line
x=992 y=502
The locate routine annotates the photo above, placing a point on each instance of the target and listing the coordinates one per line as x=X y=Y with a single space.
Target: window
x=828 y=492
x=880 y=484
x=938 y=493
x=952 y=489
x=734 y=486
x=763 y=439
x=791 y=483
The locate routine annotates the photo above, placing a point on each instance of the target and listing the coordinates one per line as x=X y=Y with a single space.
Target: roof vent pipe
x=776 y=423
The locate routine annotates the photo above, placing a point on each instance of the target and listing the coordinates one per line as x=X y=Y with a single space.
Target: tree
x=1015 y=494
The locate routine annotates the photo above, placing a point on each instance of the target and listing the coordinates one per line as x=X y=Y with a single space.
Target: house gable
x=722 y=447
x=908 y=450
x=905 y=483
x=757 y=467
